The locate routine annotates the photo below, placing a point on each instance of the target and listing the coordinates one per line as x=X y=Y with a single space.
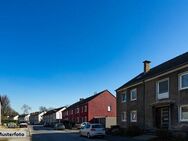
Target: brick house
x=96 y=108
x=157 y=97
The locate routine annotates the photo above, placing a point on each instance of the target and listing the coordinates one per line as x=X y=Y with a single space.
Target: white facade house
x=15 y=117
x=24 y=118
x=53 y=116
x=36 y=117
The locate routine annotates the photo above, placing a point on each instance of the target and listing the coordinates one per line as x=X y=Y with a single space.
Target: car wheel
x=88 y=136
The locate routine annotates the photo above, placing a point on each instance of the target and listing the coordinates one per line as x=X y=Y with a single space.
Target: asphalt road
x=40 y=133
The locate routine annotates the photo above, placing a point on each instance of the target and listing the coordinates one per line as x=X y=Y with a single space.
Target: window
x=77 y=110
x=133 y=116
x=183 y=81
x=82 y=109
x=72 y=112
x=123 y=116
x=133 y=94
x=78 y=120
x=124 y=97
x=163 y=89
x=109 y=108
x=85 y=108
x=184 y=113
x=85 y=119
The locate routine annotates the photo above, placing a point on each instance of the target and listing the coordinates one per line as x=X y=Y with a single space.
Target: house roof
x=35 y=113
x=87 y=99
x=23 y=115
x=53 y=111
x=160 y=69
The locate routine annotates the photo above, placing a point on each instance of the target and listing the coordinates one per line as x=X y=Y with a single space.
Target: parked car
x=23 y=125
x=11 y=125
x=59 y=126
x=92 y=130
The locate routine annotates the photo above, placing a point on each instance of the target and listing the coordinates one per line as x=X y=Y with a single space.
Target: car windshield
x=97 y=126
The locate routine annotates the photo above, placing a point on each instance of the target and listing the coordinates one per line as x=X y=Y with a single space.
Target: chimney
x=146 y=66
x=81 y=99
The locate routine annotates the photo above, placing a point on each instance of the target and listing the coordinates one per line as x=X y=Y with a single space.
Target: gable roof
x=88 y=99
x=35 y=113
x=23 y=115
x=160 y=69
x=53 y=111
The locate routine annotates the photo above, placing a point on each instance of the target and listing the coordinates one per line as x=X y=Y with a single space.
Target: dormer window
x=163 y=89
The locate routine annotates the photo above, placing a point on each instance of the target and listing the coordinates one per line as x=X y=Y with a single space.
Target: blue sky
x=54 y=52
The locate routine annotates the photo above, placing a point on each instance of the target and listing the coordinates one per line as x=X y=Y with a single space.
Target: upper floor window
x=72 y=112
x=85 y=108
x=109 y=108
x=124 y=97
x=123 y=116
x=163 y=89
x=77 y=110
x=133 y=116
x=82 y=109
x=133 y=94
x=183 y=81
x=184 y=113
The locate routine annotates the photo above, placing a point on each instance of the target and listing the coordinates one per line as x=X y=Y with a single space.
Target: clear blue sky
x=54 y=52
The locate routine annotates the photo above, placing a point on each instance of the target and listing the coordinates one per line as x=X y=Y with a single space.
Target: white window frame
x=131 y=94
x=180 y=111
x=85 y=108
x=162 y=95
x=131 y=116
x=180 y=80
x=77 y=110
x=109 y=108
x=125 y=116
x=124 y=95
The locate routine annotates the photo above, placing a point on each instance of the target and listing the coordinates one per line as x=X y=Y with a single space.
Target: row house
x=36 y=118
x=53 y=116
x=96 y=108
x=23 y=118
x=157 y=97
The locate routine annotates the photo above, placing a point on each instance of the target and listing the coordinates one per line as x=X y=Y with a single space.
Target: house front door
x=162 y=117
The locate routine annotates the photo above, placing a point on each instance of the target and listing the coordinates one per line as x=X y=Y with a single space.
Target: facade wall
x=178 y=97
x=128 y=106
x=148 y=102
x=98 y=107
x=95 y=107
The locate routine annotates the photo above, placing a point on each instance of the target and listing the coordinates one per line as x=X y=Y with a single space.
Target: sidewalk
x=124 y=138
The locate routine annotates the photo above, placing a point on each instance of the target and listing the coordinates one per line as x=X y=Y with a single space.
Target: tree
x=42 y=109
x=25 y=109
x=6 y=109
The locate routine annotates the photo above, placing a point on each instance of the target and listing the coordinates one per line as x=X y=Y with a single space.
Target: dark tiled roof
x=23 y=115
x=86 y=99
x=35 y=113
x=53 y=111
x=162 y=68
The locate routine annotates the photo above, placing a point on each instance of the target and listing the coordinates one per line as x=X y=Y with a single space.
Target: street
x=40 y=133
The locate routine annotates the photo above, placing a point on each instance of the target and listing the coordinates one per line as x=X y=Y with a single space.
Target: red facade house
x=92 y=109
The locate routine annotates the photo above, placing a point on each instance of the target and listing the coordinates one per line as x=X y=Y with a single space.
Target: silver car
x=92 y=130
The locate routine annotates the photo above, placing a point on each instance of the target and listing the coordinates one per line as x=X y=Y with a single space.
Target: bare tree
x=25 y=109
x=6 y=109
x=42 y=109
